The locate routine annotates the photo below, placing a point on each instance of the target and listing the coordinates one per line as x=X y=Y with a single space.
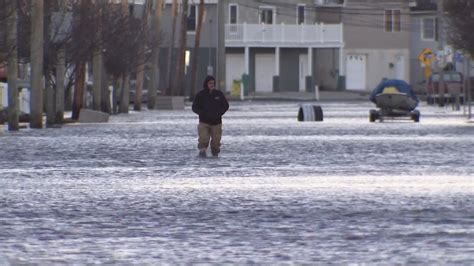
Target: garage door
x=235 y=67
x=264 y=69
x=356 y=72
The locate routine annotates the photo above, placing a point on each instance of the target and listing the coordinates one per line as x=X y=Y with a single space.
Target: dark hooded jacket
x=210 y=106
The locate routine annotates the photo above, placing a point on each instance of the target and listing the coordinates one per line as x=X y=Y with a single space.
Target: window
x=192 y=18
x=233 y=14
x=429 y=29
x=266 y=15
x=330 y=3
x=392 y=20
x=300 y=14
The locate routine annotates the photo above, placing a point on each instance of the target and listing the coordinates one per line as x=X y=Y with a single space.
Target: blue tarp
x=400 y=85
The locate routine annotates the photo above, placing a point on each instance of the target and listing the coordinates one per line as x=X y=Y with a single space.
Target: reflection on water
x=133 y=191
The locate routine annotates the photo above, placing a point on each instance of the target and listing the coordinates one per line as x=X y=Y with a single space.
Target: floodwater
x=133 y=191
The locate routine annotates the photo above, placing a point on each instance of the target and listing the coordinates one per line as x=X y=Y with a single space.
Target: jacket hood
x=206 y=80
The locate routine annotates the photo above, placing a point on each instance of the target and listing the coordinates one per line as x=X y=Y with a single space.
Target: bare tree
x=196 y=49
x=155 y=51
x=137 y=102
x=460 y=21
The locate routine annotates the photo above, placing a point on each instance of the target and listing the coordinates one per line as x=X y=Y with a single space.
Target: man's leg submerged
x=216 y=134
x=204 y=133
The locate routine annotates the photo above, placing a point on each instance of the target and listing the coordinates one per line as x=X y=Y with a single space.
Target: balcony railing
x=317 y=35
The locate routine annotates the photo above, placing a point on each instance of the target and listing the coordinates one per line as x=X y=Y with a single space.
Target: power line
x=353 y=18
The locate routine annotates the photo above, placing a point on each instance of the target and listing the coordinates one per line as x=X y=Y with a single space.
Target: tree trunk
x=137 y=102
x=179 y=83
x=105 y=103
x=196 y=49
x=37 y=84
x=174 y=11
x=48 y=72
x=80 y=75
x=116 y=94
x=155 y=53
x=60 y=72
x=13 y=102
x=50 y=113
x=97 y=77
x=124 y=94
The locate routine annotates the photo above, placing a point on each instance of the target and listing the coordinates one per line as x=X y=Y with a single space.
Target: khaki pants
x=210 y=133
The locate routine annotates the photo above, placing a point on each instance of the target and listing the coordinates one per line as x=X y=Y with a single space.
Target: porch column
x=247 y=60
x=341 y=83
x=341 y=62
x=276 y=77
x=310 y=61
x=309 y=81
x=246 y=77
x=277 y=61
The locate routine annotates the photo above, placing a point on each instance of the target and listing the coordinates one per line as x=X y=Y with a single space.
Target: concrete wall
x=364 y=25
x=378 y=63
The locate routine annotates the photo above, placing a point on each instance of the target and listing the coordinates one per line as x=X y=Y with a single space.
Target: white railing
x=284 y=35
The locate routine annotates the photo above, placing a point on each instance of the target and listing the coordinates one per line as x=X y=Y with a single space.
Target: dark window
x=429 y=30
x=266 y=16
x=392 y=20
x=192 y=18
x=233 y=14
x=301 y=14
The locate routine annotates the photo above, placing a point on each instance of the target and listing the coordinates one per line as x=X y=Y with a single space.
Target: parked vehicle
x=453 y=87
x=395 y=100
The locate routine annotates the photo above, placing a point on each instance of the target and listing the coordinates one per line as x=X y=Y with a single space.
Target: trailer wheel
x=415 y=116
x=373 y=115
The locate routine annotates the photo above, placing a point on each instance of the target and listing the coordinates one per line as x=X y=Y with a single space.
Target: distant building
x=334 y=44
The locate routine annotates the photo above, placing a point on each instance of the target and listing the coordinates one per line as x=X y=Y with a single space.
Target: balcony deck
x=282 y=35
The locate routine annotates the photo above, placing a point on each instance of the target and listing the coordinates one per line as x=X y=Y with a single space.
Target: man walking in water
x=210 y=104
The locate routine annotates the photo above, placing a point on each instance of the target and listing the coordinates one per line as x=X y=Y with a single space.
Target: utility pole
x=125 y=92
x=37 y=84
x=13 y=102
x=137 y=103
x=440 y=65
x=97 y=64
x=179 y=76
x=196 y=49
x=220 y=62
x=174 y=11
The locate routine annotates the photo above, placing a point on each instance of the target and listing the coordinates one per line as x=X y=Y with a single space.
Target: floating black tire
x=310 y=112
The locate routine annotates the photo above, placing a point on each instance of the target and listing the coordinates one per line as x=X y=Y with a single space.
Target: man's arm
x=197 y=106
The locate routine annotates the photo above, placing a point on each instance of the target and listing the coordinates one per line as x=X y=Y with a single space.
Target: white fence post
x=316 y=92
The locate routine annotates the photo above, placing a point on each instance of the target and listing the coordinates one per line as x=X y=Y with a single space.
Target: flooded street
x=339 y=191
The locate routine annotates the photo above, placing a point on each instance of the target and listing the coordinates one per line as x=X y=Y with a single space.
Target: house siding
x=364 y=34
